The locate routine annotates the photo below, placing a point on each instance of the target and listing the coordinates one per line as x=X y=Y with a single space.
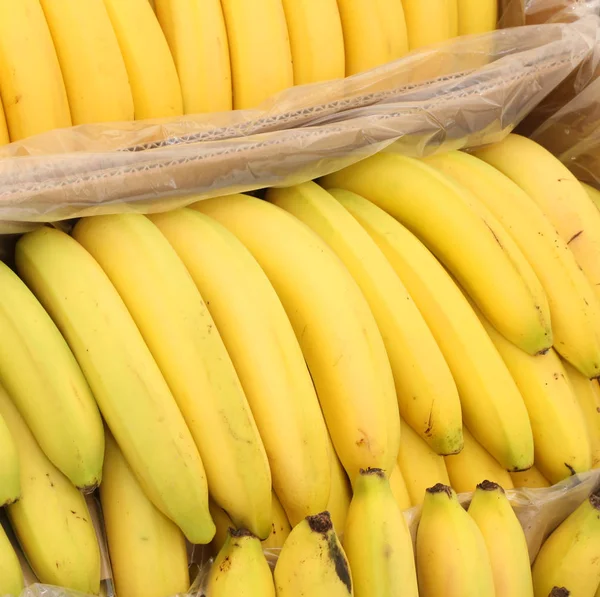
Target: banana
x=557 y=192
x=377 y=541
x=429 y=22
x=452 y=558
x=4 y=138
x=90 y=59
x=477 y=16
x=427 y=395
x=570 y=556
x=474 y=465
x=10 y=477
x=240 y=568
x=593 y=194
x=530 y=479
x=334 y=326
x=504 y=539
x=261 y=343
x=31 y=84
x=171 y=315
x=449 y=220
x=492 y=406
x=150 y=67
x=399 y=489
x=259 y=46
x=312 y=562
x=51 y=393
x=195 y=31
x=420 y=466
x=148 y=554
x=125 y=380
x=340 y=494
x=51 y=519
x=11 y=575
x=574 y=309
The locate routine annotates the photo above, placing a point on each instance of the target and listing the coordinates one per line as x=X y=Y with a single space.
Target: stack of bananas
x=70 y=62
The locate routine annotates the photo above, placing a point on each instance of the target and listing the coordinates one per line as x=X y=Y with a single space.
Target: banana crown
x=559 y=592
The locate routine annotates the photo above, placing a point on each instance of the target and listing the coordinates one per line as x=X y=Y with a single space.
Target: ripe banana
x=504 y=539
x=430 y=21
x=570 y=557
x=574 y=309
x=399 y=488
x=312 y=561
x=531 y=478
x=125 y=380
x=261 y=343
x=148 y=553
x=152 y=74
x=377 y=541
x=340 y=494
x=11 y=575
x=51 y=519
x=171 y=315
x=446 y=217
x=51 y=393
x=195 y=31
x=492 y=406
x=10 y=476
x=476 y=16
x=259 y=45
x=90 y=59
x=334 y=326
x=452 y=558
x=4 y=138
x=31 y=84
x=427 y=395
x=593 y=194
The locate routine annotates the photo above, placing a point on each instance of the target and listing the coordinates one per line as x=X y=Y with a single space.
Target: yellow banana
x=377 y=541
x=195 y=31
x=10 y=478
x=334 y=326
x=51 y=519
x=399 y=488
x=531 y=478
x=90 y=59
x=259 y=45
x=266 y=355
x=452 y=558
x=148 y=553
x=50 y=392
x=4 y=138
x=31 y=84
x=593 y=194
x=340 y=494
x=171 y=315
x=427 y=395
x=11 y=575
x=312 y=561
x=152 y=75
x=449 y=220
x=569 y=556
x=127 y=384
x=476 y=16
x=504 y=539
x=429 y=21
x=492 y=406
x=574 y=309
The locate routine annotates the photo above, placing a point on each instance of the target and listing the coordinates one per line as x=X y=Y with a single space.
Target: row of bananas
x=68 y=62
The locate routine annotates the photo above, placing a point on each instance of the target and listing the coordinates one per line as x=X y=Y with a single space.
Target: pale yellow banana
x=4 y=138
x=10 y=476
x=399 y=488
x=429 y=21
x=593 y=194
x=476 y=16
x=259 y=45
x=491 y=403
x=377 y=541
x=340 y=494
x=312 y=562
x=31 y=84
x=427 y=395
x=43 y=379
x=11 y=576
x=174 y=322
x=148 y=553
x=261 y=343
x=531 y=478
x=150 y=67
x=90 y=59
x=126 y=381
x=195 y=31
x=574 y=309
x=334 y=326
x=452 y=558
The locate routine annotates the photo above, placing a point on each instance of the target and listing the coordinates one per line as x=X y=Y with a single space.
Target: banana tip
x=489 y=486
x=320 y=523
x=440 y=488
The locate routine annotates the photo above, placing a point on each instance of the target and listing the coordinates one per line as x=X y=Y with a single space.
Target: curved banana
x=150 y=67
x=429 y=22
x=10 y=475
x=31 y=84
x=427 y=395
x=125 y=380
x=11 y=575
x=90 y=59
x=51 y=394
x=261 y=343
x=531 y=478
x=476 y=16
x=574 y=308
x=492 y=406
x=399 y=488
x=340 y=494
x=334 y=326
x=173 y=320
x=377 y=541
x=148 y=554
x=195 y=31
